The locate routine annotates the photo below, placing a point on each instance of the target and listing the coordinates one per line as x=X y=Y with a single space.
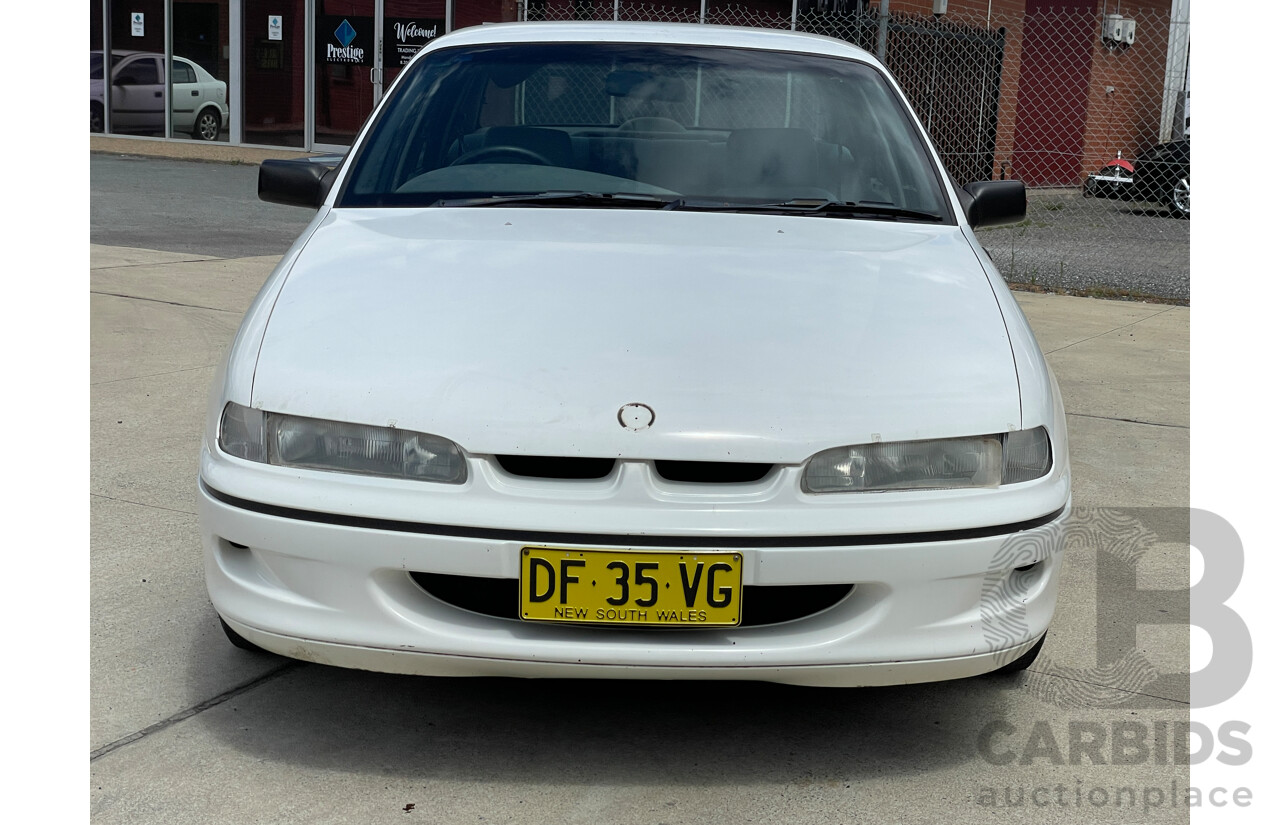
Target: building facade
x=302 y=74
x=1040 y=90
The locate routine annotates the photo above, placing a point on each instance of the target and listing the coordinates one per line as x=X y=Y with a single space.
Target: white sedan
x=137 y=96
x=638 y=351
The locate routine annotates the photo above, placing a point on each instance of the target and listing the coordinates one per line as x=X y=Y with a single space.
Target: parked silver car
x=137 y=95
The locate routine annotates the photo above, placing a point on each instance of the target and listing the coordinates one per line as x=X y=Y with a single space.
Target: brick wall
x=1128 y=119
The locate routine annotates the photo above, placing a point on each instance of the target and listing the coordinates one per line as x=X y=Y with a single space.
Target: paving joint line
x=1128 y=421
x=159 y=301
x=1123 y=326
x=1049 y=674
x=151 y=375
x=93 y=269
x=193 y=710
x=142 y=504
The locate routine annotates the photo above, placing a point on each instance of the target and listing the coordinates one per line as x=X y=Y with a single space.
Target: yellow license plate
x=670 y=589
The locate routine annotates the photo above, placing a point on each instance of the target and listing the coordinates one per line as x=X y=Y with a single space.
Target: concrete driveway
x=187 y=729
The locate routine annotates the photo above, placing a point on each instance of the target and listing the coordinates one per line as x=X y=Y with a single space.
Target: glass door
x=201 y=70
x=346 y=65
x=273 y=68
x=360 y=47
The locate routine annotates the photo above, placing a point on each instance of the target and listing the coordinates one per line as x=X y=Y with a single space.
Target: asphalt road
x=1068 y=242
x=1097 y=247
x=186 y=206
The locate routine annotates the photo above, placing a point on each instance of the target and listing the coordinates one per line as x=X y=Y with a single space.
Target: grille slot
x=697 y=472
x=540 y=466
x=500 y=598
x=712 y=472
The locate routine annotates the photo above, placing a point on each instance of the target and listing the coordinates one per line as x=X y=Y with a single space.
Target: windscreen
x=723 y=125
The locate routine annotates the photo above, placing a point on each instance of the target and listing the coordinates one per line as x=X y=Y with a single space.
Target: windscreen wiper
x=629 y=200
x=810 y=206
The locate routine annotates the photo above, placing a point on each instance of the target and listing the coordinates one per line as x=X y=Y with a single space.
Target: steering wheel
x=486 y=152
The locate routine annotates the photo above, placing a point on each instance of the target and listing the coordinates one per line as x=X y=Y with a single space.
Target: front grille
x=541 y=466
x=566 y=467
x=712 y=472
x=500 y=598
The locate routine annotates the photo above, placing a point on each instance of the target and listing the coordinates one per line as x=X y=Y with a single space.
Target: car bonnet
x=751 y=337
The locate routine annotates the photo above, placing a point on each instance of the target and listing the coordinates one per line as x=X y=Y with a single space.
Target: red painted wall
x=1053 y=91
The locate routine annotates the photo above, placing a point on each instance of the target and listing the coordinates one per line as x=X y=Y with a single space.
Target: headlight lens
x=948 y=463
x=1026 y=455
x=317 y=444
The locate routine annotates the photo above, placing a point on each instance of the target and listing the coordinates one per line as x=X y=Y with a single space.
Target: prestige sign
x=402 y=37
x=345 y=40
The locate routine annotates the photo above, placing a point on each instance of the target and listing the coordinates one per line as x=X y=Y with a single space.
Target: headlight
x=316 y=444
x=1026 y=455
x=948 y=463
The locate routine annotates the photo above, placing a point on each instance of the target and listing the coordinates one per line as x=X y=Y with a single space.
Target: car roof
x=121 y=54
x=692 y=34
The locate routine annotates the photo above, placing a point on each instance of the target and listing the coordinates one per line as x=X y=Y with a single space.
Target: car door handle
x=159 y=94
x=195 y=92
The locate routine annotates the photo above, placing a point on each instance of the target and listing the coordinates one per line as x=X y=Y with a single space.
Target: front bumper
x=340 y=591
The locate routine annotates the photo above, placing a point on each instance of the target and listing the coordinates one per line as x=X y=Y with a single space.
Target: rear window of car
x=659 y=120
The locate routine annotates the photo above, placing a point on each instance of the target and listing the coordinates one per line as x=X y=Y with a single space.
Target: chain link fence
x=1087 y=106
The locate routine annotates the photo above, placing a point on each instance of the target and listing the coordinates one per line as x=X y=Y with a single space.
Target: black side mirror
x=297 y=181
x=994 y=202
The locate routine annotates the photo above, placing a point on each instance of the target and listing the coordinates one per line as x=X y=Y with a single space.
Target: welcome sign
x=402 y=37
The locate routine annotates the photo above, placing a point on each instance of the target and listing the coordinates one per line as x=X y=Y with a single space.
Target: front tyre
x=1180 y=197
x=208 y=125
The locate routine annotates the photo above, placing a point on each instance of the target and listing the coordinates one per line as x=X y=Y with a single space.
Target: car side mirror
x=298 y=181
x=994 y=202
